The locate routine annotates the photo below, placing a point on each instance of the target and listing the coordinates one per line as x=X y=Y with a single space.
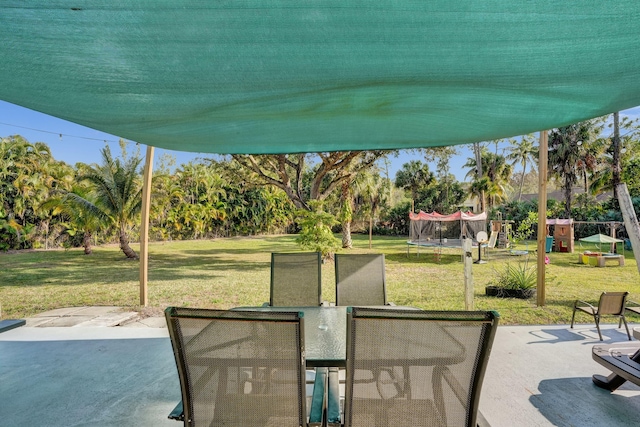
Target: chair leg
x=623 y=319
x=597 y=319
x=573 y=316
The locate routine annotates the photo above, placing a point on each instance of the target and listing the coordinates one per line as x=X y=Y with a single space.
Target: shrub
x=315 y=231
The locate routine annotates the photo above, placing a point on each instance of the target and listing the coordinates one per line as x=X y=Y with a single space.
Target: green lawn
x=232 y=272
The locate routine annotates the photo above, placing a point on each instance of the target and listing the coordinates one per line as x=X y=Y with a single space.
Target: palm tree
x=479 y=188
x=523 y=152
x=570 y=156
x=82 y=213
x=372 y=188
x=117 y=192
x=618 y=161
x=28 y=175
x=414 y=176
x=492 y=185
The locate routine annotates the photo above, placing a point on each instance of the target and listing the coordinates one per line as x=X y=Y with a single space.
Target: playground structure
x=563 y=234
x=501 y=231
x=437 y=231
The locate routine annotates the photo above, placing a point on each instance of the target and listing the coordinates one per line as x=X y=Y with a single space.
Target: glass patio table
x=325 y=333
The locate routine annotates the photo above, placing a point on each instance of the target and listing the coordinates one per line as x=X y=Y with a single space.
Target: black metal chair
x=428 y=368
x=610 y=304
x=360 y=280
x=242 y=368
x=296 y=279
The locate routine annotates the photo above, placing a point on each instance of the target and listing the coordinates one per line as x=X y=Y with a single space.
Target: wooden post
x=467 y=258
x=630 y=220
x=542 y=216
x=144 y=227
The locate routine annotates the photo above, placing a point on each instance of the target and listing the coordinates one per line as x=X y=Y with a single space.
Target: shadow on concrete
x=578 y=402
x=111 y=382
x=579 y=333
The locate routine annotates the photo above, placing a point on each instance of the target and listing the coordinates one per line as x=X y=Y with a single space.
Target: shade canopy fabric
x=600 y=238
x=560 y=221
x=267 y=76
x=456 y=216
x=436 y=227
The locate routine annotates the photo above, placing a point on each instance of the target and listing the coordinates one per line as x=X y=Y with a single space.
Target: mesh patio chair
x=242 y=368
x=296 y=279
x=632 y=306
x=610 y=304
x=360 y=280
x=428 y=368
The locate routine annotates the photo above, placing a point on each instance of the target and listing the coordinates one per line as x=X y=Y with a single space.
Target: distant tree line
x=46 y=203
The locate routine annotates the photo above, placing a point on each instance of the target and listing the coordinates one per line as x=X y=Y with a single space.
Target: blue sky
x=73 y=143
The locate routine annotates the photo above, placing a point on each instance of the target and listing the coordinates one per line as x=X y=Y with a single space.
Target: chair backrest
x=397 y=361
x=360 y=279
x=612 y=303
x=239 y=368
x=296 y=279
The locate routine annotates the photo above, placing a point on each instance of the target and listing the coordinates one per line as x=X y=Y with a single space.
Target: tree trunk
x=478 y=155
x=86 y=243
x=370 y=229
x=45 y=225
x=524 y=170
x=124 y=246
x=617 y=169
x=347 y=242
x=567 y=200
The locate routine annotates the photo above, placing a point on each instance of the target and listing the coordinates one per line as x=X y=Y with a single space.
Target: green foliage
x=443 y=196
x=398 y=219
x=315 y=230
x=586 y=208
x=117 y=192
x=526 y=228
x=515 y=210
x=523 y=152
x=414 y=177
x=492 y=185
x=574 y=151
x=518 y=276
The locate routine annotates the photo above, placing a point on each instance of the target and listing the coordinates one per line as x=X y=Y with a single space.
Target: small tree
x=315 y=230
x=525 y=228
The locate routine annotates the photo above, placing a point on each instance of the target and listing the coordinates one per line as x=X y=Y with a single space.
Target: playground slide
x=492 y=239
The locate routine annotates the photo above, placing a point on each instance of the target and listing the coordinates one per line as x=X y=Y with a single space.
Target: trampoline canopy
x=456 y=216
x=435 y=227
x=267 y=76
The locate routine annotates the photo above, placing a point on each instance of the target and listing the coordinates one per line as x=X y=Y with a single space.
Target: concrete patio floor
x=88 y=375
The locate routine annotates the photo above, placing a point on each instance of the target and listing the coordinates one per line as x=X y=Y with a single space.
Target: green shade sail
x=267 y=76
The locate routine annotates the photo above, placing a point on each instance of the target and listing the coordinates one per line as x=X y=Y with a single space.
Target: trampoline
x=438 y=231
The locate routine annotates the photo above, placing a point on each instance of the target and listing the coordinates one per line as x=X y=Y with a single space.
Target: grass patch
x=225 y=273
